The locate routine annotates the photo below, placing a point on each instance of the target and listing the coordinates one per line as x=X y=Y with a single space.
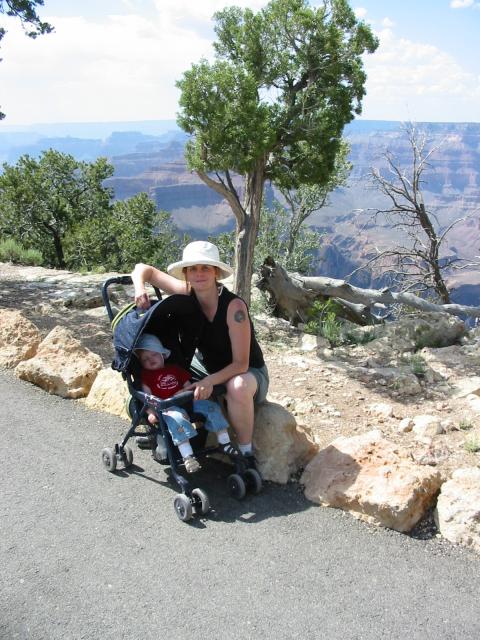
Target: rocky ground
x=331 y=392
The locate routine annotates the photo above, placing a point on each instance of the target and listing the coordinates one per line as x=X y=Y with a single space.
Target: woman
x=227 y=344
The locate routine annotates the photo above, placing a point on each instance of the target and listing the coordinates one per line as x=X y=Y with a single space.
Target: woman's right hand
x=142 y=300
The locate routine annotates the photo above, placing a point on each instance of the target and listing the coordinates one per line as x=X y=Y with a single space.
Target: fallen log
x=292 y=295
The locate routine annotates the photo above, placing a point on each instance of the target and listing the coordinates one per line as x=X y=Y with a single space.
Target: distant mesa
x=148 y=156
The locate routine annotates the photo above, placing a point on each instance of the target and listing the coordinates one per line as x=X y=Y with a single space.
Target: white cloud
x=406 y=76
x=114 y=67
x=461 y=4
x=124 y=67
x=360 y=12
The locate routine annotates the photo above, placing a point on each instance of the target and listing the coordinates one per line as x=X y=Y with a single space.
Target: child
x=164 y=381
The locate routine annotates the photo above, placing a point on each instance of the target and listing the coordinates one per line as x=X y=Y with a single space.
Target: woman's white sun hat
x=200 y=252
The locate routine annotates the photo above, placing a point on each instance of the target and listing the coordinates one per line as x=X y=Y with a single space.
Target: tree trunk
x=59 y=250
x=247 y=230
x=433 y=255
x=293 y=295
x=247 y=217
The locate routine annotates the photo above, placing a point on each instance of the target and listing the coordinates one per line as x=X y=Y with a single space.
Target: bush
x=323 y=321
x=12 y=251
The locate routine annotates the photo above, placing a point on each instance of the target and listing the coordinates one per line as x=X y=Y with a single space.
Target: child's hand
x=152 y=418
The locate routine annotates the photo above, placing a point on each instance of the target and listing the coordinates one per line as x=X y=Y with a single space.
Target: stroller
x=175 y=320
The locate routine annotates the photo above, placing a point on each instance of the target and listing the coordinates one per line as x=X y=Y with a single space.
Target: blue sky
x=117 y=60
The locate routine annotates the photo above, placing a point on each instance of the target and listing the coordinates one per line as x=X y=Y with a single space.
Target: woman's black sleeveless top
x=213 y=340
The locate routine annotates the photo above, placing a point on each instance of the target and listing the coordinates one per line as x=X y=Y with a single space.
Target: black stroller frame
x=180 y=319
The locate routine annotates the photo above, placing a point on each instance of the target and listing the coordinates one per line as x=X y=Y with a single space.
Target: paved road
x=85 y=554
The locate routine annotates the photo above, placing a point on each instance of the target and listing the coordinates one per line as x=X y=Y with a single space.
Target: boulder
x=407 y=384
x=61 y=366
x=309 y=342
x=411 y=333
x=19 y=338
x=464 y=387
x=373 y=479
x=82 y=298
x=429 y=329
x=405 y=425
x=458 y=508
x=281 y=447
x=427 y=426
x=380 y=410
x=109 y=393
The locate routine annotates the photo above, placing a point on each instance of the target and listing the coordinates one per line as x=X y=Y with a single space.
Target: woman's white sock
x=246 y=448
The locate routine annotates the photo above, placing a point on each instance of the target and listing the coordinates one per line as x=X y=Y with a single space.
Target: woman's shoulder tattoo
x=239 y=316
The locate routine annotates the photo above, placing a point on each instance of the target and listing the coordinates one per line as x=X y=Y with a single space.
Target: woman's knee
x=242 y=387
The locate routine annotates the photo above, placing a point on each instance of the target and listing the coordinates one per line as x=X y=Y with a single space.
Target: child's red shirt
x=165 y=382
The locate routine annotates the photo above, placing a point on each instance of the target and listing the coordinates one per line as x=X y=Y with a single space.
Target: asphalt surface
x=85 y=554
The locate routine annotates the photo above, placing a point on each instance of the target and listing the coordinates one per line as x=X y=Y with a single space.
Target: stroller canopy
x=176 y=320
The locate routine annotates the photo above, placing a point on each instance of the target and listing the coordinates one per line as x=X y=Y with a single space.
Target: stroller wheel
x=127 y=457
x=254 y=480
x=236 y=486
x=183 y=507
x=202 y=501
x=109 y=459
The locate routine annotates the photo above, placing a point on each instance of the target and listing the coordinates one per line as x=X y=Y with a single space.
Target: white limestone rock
x=281 y=447
x=19 y=338
x=458 y=508
x=373 y=479
x=427 y=426
x=61 y=366
x=109 y=393
x=380 y=410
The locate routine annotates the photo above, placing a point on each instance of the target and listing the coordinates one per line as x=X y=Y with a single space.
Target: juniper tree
x=272 y=105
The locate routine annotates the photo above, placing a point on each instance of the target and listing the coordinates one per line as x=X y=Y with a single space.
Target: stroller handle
x=122 y=280
x=180 y=399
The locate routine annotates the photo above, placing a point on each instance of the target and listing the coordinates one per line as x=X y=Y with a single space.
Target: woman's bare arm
x=145 y=273
x=240 y=337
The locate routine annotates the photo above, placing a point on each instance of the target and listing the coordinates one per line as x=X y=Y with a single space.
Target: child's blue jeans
x=180 y=427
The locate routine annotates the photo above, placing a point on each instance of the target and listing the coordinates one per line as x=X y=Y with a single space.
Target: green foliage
x=472 y=444
x=274 y=240
x=323 y=321
x=40 y=200
x=131 y=231
x=61 y=205
x=273 y=104
x=360 y=337
x=284 y=83
x=226 y=245
x=465 y=424
x=25 y=10
x=12 y=251
x=418 y=365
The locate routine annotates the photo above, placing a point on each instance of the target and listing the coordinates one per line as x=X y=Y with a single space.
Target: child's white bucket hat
x=200 y=252
x=149 y=342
